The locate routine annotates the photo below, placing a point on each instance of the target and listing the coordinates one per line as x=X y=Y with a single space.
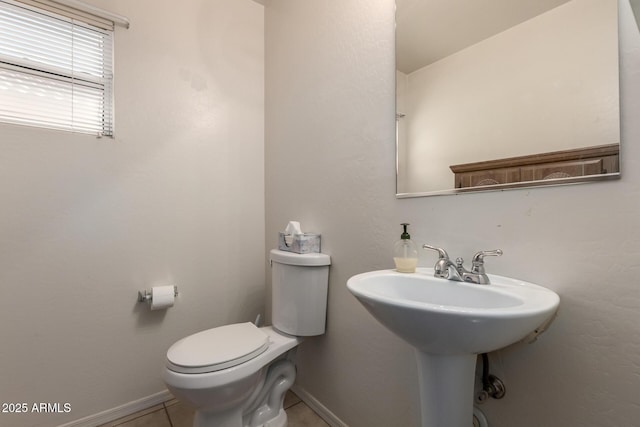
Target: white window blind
x=55 y=71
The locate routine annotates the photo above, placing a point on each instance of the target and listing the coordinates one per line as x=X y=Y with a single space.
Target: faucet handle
x=441 y=269
x=480 y=255
x=442 y=254
x=477 y=262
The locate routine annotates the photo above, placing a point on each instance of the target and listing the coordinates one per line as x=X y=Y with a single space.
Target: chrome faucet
x=446 y=269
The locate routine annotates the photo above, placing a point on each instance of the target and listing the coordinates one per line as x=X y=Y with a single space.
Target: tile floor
x=174 y=414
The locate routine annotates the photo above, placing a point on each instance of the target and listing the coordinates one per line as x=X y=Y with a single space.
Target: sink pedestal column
x=446 y=389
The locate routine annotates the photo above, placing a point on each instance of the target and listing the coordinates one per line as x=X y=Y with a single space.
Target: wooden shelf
x=602 y=159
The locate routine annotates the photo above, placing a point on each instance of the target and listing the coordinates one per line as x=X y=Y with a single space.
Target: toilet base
x=265 y=406
x=279 y=421
x=233 y=420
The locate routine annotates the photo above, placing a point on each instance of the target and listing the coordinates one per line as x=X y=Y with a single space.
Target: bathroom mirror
x=505 y=94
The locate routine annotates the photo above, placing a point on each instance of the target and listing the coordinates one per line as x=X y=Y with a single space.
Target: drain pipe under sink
x=479 y=420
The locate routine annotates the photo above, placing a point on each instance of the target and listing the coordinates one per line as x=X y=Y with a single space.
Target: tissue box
x=300 y=243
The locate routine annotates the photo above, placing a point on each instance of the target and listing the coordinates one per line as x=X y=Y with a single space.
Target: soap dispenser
x=405 y=253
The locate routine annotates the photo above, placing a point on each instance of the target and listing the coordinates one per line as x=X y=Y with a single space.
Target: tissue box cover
x=301 y=243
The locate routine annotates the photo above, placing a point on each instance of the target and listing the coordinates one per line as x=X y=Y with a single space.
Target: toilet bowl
x=233 y=389
x=237 y=375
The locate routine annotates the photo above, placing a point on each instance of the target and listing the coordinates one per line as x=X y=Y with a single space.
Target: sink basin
x=449 y=323
x=440 y=316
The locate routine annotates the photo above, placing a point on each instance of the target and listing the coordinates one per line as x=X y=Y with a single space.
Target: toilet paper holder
x=146 y=296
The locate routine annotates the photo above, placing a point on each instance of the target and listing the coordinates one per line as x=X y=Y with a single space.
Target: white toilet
x=236 y=375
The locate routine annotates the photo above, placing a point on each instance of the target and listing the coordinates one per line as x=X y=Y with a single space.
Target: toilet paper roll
x=162 y=297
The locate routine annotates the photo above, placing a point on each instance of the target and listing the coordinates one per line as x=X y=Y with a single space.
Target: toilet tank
x=299 y=286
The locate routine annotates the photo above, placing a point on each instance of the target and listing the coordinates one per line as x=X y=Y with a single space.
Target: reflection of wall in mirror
x=635 y=4
x=530 y=89
x=401 y=132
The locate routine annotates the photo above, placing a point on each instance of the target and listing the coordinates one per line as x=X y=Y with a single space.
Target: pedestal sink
x=449 y=323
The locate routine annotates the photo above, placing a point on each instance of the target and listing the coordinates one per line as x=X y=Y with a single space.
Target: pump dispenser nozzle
x=404 y=234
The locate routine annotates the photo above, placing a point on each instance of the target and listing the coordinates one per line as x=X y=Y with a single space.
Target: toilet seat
x=216 y=349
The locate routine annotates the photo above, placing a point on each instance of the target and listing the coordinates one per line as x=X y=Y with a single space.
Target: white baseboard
x=121 y=411
x=313 y=403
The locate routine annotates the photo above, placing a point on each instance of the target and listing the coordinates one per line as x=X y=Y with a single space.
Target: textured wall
x=177 y=197
x=330 y=164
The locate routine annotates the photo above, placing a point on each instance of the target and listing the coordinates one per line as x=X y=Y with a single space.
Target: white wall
x=177 y=197
x=330 y=164
x=548 y=84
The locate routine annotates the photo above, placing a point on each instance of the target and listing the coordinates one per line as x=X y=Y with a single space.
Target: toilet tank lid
x=291 y=258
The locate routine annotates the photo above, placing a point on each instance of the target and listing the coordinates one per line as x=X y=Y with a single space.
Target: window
x=56 y=67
